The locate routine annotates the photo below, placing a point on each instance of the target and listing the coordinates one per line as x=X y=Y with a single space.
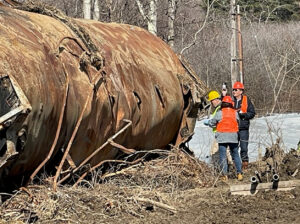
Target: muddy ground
x=175 y=188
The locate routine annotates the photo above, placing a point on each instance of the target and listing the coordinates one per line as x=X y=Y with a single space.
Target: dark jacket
x=246 y=117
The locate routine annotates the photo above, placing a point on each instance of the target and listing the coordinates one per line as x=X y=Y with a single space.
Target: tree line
x=200 y=30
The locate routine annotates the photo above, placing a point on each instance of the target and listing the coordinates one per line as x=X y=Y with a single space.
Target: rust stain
x=138 y=81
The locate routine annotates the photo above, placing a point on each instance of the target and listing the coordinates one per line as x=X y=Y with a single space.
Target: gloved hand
x=224 y=92
x=206 y=121
x=242 y=115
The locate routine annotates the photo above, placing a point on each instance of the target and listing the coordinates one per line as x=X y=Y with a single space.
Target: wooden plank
x=245 y=193
x=252 y=189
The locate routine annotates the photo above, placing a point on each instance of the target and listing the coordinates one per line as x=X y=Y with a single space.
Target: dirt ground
x=171 y=189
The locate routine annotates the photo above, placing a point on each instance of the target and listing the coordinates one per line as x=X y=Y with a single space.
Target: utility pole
x=240 y=45
x=236 y=39
x=234 y=70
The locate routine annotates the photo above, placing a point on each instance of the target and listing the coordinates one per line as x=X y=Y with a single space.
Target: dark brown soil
x=173 y=189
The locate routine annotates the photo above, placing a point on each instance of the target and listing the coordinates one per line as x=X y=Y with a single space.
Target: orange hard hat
x=227 y=99
x=238 y=85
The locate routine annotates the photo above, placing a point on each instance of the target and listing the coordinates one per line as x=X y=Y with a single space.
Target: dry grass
x=168 y=173
x=169 y=189
x=133 y=192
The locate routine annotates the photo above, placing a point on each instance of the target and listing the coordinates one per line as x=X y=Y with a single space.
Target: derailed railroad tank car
x=68 y=86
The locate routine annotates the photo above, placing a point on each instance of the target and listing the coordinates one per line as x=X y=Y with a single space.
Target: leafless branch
x=201 y=28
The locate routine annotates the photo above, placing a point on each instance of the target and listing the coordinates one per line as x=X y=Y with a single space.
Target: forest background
x=200 y=30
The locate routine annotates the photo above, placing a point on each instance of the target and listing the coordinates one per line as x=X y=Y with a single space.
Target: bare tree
x=95 y=10
x=151 y=16
x=194 y=28
x=280 y=73
x=171 y=18
x=87 y=6
x=91 y=9
x=209 y=5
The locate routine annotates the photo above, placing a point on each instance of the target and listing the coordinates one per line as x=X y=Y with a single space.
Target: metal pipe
x=258 y=176
x=275 y=177
x=253 y=180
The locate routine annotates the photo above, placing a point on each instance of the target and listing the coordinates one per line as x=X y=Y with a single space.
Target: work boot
x=224 y=178
x=239 y=177
x=245 y=165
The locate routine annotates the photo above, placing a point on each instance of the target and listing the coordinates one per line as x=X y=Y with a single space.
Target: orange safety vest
x=244 y=105
x=228 y=122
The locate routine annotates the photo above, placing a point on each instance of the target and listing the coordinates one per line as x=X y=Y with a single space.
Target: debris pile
x=172 y=171
x=133 y=191
x=276 y=161
x=270 y=164
x=290 y=165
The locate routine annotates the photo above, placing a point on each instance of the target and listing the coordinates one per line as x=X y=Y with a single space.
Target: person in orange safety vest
x=215 y=100
x=226 y=123
x=245 y=109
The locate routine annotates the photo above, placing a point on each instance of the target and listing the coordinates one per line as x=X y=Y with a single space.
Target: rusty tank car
x=85 y=92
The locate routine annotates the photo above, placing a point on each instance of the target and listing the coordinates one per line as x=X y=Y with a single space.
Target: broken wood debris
x=156 y=203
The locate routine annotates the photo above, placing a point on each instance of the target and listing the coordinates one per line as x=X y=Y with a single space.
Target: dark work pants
x=234 y=154
x=243 y=140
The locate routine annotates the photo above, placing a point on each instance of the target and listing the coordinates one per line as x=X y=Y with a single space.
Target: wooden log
x=253 y=188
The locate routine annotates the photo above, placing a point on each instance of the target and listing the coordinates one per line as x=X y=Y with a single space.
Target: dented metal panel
x=136 y=77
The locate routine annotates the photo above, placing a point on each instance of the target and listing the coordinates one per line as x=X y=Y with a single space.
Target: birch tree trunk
x=171 y=18
x=86 y=7
x=152 y=22
x=151 y=16
x=96 y=11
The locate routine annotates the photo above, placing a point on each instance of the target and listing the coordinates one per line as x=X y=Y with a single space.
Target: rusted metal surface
x=138 y=79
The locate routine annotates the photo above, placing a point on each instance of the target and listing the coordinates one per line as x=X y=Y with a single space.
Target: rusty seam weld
x=159 y=94
x=129 y=123
x=74 y=39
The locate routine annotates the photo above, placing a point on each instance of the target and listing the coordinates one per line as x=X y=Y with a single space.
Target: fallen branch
x=70 y=142
x=101 y=163
x=123 y=171
x=295 y=173
x=121 y=147
x=26 y=191
x=158 y=204
x=98 y=149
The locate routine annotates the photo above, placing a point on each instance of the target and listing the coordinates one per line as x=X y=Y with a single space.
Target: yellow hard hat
x=213 y=95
